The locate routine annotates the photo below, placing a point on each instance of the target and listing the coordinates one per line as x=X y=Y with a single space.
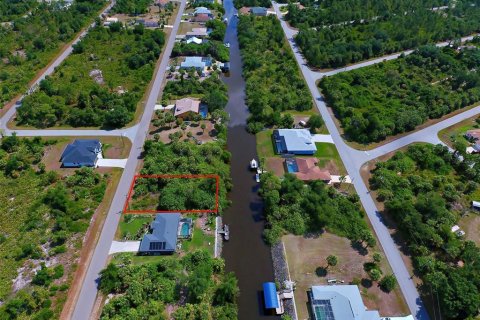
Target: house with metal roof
x=162 y=236
x=197 y=33
x=81 y=153
x=339 y=302
x=202 y=10
x=198 y=63
x=258 y=11
x=293 y=141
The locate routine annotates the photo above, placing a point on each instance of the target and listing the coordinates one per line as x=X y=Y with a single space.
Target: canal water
x=245 y=254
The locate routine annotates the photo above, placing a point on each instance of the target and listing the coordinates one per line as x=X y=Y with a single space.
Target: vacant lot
x=305 y=255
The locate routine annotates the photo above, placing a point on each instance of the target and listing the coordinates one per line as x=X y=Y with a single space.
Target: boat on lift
x=253 y=164
x=226 y=232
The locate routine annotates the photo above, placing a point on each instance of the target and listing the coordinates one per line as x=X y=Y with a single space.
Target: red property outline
x=172 y=176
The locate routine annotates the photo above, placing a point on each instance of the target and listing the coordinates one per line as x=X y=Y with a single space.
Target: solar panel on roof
x=157 y=245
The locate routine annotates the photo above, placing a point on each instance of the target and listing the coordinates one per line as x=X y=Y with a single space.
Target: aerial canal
x=245 y=253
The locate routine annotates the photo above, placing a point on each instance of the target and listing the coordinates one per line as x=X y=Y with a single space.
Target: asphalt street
x=89 y=289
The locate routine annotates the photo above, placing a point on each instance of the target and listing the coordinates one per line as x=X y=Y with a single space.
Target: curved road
x=89 y=289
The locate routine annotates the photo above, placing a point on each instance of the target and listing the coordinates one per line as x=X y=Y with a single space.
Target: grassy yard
x=199 y=240
x=457 y=131
x=131 y=227
x=265 y=144
x=326 y=153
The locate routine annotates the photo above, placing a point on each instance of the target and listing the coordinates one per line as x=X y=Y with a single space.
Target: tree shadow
x=366 y=283
x=321 y=272
x=357 y=246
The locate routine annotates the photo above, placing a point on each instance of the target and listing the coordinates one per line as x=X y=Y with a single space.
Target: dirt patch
x=276 y=166
x=314 y=251
x=471 y=225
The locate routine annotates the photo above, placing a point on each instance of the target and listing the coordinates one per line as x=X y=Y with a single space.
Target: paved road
x=89 y=290
x=49 y=70
x=348 y=156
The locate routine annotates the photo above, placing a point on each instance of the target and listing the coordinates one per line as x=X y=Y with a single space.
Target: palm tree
x=332 y=261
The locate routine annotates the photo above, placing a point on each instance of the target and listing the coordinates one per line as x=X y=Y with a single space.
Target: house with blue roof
x=81 y=153
x=339 y=302
x=293 y=141
x=162 y=236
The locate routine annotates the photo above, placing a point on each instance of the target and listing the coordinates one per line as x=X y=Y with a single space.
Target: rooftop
x=164 y=233
x=339 y=302
x=186 y=105
x=82 y=152
x=308 y=170
x=294 y=141
x=193 y=62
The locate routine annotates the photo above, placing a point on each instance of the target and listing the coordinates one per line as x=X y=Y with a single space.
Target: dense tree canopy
x=328 y=12
x=274 y=83
x=84 y=89
x=32 y=40
x=143 y=291
x=131 y=6
x=392 y=97
x=185 y=158
x=426 y=190
x=252 y=3
x=293 y=207
x=337 y=45
x=10 y=9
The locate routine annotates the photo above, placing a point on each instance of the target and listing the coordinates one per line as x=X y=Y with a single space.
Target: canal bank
x=245 y=253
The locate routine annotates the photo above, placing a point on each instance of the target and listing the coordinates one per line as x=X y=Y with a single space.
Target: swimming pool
x=291 y=165
x=203 y=111
x=185 y=230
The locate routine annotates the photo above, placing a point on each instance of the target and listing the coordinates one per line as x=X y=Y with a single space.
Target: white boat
x=227 y=44
x=257 y=177
x=253 y=164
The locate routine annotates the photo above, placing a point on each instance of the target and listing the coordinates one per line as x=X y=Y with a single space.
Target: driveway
x=336 y=179
x=322 y=138
x=124 y=246
x=112 y=163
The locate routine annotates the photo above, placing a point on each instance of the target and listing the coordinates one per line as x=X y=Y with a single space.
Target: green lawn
x=326 y=152
x=134 y=225
x=457 y=132
x=265 y=144
x=199 y=241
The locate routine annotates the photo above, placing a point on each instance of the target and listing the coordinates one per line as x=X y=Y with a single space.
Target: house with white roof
x=293 y=141
x=339 y=302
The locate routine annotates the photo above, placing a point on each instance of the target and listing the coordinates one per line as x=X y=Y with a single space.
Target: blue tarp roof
x=270 y=295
